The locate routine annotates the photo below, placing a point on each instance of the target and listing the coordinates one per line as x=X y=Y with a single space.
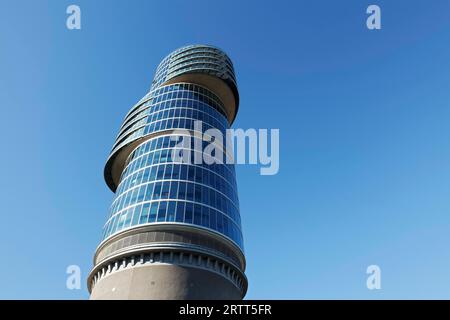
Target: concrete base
x=164 y=282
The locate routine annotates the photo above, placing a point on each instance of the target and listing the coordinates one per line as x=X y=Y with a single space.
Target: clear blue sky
x=364 y=127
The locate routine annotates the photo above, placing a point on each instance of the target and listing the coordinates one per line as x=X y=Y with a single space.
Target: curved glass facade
x=155 y=189
x=152 y=187
x=174 y=106
x=195 y=58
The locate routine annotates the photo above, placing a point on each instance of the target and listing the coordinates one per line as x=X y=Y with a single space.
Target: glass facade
x=154 y=188
x=195 y=58
x=174 y=106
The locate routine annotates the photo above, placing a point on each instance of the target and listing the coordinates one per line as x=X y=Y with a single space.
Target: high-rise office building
x=174 y=229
